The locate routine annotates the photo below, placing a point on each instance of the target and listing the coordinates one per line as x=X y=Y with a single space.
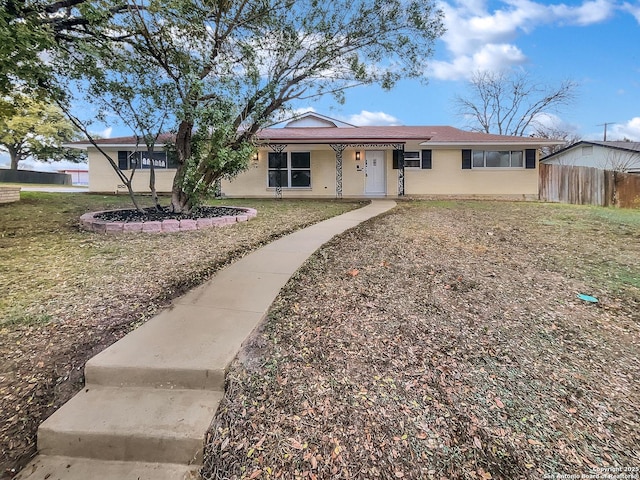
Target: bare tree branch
x=510 y=104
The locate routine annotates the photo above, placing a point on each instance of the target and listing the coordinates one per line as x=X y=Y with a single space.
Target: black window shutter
x=530 y=158
x=122 y=160
x=426 y=159
x=466 y=159
x=397 y=156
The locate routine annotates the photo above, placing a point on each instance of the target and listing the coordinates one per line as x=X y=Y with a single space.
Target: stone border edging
x=92 y=224
x=9 y=194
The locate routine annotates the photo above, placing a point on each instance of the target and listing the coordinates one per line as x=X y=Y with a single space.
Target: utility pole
x=605 y=128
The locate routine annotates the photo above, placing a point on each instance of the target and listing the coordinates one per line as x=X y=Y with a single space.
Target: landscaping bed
x=446 y=340
x=69 y=293
x=163 y=220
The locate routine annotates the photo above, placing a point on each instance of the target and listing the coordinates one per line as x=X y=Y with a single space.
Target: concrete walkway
x=150 y=398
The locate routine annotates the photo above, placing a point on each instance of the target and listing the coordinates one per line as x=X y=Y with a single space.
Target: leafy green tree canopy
x=34 y=128
x=32 y=30
x=230 y=68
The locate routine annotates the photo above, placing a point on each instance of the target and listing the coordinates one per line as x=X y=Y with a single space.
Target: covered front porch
x=328 y=170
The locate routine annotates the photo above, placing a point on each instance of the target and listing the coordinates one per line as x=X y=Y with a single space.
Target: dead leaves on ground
x=405 y=351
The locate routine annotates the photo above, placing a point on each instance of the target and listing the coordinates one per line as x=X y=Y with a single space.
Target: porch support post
x=338 y=148
x=277 y=149
x=400 y=148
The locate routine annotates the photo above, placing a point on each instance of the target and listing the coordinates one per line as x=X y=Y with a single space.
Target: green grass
x=44 y=256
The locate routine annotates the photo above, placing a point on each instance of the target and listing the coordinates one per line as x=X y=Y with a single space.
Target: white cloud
x=632 y=9
x=366 y=118
x=489 y=57
x=30 y=164
x=588 y=13
x=37 y=166
x=478 y=39
x=629 y=130
x=552 y=121
x=106 y=133
x=300 y=111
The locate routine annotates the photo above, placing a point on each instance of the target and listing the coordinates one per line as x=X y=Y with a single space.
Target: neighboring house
x=317 y=156
x=619 y=156
x=79 y=176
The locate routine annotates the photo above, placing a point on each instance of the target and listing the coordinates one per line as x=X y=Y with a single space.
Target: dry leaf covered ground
x=445 y=340
x=68 y=293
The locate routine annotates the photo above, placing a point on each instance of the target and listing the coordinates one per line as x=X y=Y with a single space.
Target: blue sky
x=593 y=43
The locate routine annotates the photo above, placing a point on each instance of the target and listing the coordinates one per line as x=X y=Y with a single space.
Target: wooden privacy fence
x=588 y=186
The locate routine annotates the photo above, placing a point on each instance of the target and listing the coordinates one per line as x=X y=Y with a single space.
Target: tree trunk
x=15 y=158
x=180 y=201
x=152 y=178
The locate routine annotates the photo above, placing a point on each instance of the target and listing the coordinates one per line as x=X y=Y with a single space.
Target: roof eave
x=489 y=142
x=84 y=146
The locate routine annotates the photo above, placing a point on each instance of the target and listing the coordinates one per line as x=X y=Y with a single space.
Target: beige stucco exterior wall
x=254 y=181
x=446 y=177
x=102 y=177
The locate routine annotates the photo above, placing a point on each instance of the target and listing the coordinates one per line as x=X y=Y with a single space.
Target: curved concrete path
x=150 y=397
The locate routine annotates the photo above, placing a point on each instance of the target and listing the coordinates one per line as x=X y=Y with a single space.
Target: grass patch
x=68 y=293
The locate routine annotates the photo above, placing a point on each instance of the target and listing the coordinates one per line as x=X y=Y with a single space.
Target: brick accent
x=170 y=226
x=188 y=224
x=154 y=227
x=89 y=222
x=9 y=194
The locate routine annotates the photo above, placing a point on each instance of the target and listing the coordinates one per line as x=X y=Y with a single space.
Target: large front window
x=289 y=169
x=498 y=159
x=142 y=159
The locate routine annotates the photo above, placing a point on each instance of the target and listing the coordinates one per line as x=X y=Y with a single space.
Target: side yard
x=445 y=340
x=67 y=294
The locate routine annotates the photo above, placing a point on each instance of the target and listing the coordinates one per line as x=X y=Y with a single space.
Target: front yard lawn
x=445 y=340
x=67 y=294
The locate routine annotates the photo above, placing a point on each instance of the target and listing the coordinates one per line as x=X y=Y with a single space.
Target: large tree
x=32 y=29
x=510 y=103
x=34 y=128
x=232 y=66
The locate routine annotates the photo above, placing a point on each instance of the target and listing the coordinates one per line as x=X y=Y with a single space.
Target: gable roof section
x=633 y=147
x=312 y=119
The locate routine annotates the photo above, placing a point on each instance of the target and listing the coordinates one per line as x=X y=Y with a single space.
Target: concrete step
x=45 y=467
x=186 y=347
x=131 y=424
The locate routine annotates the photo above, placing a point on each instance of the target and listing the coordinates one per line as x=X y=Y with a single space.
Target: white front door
x=374 y=173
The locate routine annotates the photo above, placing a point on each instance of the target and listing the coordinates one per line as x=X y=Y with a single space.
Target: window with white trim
x=412 y=159
x=498 y=159
x=289 y=169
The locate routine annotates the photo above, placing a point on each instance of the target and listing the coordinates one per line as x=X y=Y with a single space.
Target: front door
x=374 y=173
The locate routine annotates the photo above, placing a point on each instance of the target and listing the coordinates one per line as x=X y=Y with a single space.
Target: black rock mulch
x=152 y=214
